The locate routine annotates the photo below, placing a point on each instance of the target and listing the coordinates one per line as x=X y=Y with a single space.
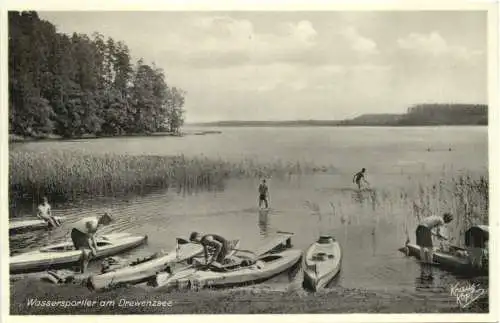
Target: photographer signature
x=467 y=294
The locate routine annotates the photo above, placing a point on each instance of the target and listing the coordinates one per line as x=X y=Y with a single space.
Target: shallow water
x=371 y=225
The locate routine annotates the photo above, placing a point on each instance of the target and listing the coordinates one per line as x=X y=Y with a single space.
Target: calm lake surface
x=397 y=160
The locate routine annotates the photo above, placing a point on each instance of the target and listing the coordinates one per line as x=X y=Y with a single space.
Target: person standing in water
x=360 y=176
x=263 y=194
x=429 y=228
x=83 y=236
x=44 y=212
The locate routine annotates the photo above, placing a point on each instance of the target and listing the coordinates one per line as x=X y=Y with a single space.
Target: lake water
x=370 y=226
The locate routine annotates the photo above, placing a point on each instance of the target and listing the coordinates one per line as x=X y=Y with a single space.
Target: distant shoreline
x=314 y=124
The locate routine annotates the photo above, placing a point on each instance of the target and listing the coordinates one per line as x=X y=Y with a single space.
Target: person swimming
x=360 y=176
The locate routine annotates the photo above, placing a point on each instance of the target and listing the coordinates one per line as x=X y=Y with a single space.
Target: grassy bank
x=232 y=301
x=66 y=176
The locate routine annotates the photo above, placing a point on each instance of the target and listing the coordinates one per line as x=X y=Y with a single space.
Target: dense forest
x=70 y=86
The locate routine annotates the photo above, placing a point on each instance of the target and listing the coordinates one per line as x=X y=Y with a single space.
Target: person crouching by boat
x=83 y=236
x=428 y=229
x=218 y=243
x=44 y=212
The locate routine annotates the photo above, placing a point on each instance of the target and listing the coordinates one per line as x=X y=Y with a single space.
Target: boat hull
x=20 y=226
x=450 y=262
x=275 y=264
x=144 y=271
x=63 y=254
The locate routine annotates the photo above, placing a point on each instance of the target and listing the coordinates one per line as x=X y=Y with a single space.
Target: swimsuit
x=79 y=233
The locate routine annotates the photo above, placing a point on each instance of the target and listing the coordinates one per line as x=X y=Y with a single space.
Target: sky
x=329 y=65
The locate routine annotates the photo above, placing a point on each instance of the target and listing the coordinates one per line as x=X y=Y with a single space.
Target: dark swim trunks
x=424 y=236
x=80 y=239
x=262 y=197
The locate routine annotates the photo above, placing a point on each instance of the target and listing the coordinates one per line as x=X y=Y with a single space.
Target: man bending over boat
x=218 y=243
x=45 y=213
x=428 y=229
x=83 y=236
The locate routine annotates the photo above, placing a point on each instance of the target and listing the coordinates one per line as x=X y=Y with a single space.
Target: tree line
x=76 y=85
x=428 y=114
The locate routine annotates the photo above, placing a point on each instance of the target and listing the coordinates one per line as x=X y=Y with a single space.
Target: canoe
x=64 y=254
x=448 y=261
x=141 y=271
x=268 y=247
x=18 y=226
x=266 y=267
x=321 y=263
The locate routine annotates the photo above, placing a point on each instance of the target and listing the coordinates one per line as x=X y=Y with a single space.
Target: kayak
x=18 y=226
x=449 y=261
x=64 y=254
x=237 y=275
x=266 y=267
x=322 y=262
x=141 y=271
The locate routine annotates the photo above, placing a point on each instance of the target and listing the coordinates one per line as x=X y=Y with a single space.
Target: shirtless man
x=215 y=241
x=428 y=229
x=44 y=212
x=83 y=236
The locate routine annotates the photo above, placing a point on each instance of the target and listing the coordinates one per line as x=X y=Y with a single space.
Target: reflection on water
x=264 y=222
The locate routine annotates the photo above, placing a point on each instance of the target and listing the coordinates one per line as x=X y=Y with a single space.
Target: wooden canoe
x=269 y=246
x=64 y=254
x=321 y=263
x=448 y=261
x=266 y=267
x=25 y=225
x=143 y=271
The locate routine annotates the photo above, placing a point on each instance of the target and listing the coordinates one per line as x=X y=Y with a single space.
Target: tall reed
x=70 y=175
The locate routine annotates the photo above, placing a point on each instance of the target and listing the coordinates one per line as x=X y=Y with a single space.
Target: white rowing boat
x=322 y=262
x=142 y=271
x=243 y=267
x=64 y=254
x=264 y=268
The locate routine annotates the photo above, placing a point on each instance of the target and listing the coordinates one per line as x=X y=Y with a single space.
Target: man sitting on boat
x=45 y=213
x=430 y=227
x=218 y=243
x=83 y=236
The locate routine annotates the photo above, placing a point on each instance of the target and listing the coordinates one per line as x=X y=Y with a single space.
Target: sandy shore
x=29 y=297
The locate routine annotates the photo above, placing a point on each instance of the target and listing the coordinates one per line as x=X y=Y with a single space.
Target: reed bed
x=72 y=175
x=463 y=195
